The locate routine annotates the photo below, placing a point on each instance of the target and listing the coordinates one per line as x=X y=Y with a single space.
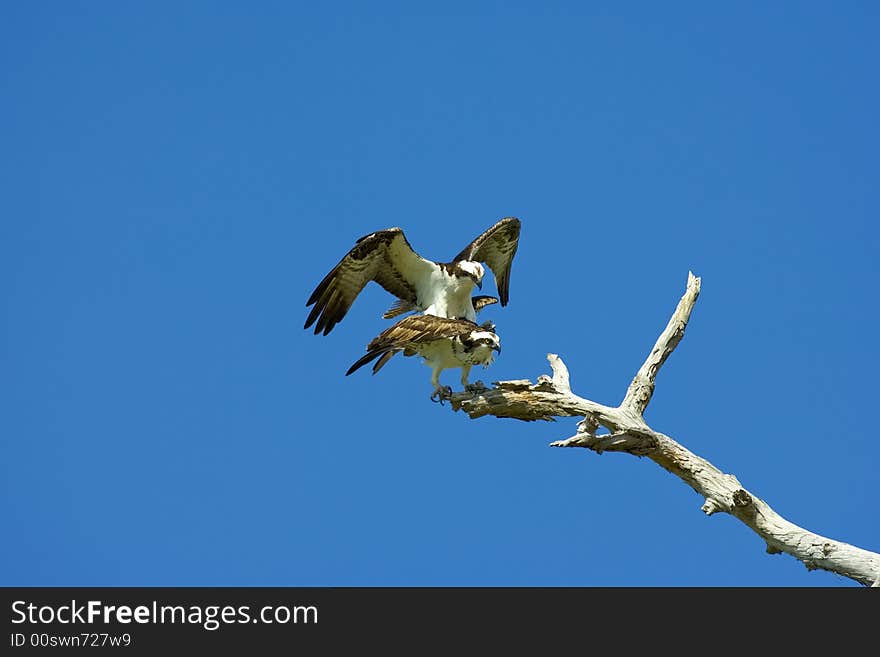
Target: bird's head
x=472 y=270
x=486 y=338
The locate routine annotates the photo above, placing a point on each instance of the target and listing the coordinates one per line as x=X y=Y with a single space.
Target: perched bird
x=443 y=344
x=435 y=288
x=401 y=307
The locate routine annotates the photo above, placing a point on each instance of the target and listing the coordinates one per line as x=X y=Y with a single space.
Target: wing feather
x=496 y=247
x=385 y=358
x=399 y=307
x=418 y=329
x=481 y=301
x=384 y=257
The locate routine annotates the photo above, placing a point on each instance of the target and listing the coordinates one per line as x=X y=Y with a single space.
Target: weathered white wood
x=560 y=374
x=552 y=397
x=642 y=387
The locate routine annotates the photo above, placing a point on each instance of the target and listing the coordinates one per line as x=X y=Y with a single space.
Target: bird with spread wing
x=442 y=289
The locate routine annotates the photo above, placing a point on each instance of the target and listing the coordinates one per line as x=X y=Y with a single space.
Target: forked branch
x=552 y=397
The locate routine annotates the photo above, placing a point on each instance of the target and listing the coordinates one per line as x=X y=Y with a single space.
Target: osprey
x=435 y=288
x=400 y=307
x=443 y=343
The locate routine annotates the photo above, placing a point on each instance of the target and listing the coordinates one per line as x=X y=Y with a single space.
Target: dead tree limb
x=628 y=432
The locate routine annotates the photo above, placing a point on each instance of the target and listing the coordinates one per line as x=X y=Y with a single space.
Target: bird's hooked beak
x=478 y=282
x=497 y=348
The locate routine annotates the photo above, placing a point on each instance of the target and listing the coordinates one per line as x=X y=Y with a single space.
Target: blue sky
x=177 y=177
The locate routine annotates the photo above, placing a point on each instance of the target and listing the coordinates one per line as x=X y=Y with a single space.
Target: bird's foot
x=476 y=386
x=441 y=393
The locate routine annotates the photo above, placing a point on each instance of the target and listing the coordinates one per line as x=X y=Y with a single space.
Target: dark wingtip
x=363 y=360
x=313 y=315
x=318 y=291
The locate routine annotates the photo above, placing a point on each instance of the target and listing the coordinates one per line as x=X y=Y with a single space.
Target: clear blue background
x=177 y=177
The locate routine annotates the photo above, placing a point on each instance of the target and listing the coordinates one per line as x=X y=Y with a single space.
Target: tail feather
x=366 y=358
x=385 y=358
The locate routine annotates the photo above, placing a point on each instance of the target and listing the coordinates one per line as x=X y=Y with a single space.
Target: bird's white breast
x=449 y=296
x=480 y=355
x=441 y=353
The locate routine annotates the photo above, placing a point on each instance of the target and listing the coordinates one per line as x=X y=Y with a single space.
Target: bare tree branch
x=552 y=397
x=642 y=387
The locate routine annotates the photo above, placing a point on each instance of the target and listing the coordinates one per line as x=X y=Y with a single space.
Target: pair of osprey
x=446 y=334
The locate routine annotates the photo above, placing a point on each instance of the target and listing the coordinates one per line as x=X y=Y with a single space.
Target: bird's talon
x=441 y=394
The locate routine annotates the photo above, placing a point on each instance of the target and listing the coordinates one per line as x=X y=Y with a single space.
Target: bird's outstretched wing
x=496 y=247
x=385 y=257
x=409 y=333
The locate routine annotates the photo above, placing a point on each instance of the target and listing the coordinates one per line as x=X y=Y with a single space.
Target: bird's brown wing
x=407 y=334
x=496 y=247
x=384 y=257
x=419 y=329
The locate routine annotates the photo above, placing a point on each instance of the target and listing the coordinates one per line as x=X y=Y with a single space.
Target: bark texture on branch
x=552 y=397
